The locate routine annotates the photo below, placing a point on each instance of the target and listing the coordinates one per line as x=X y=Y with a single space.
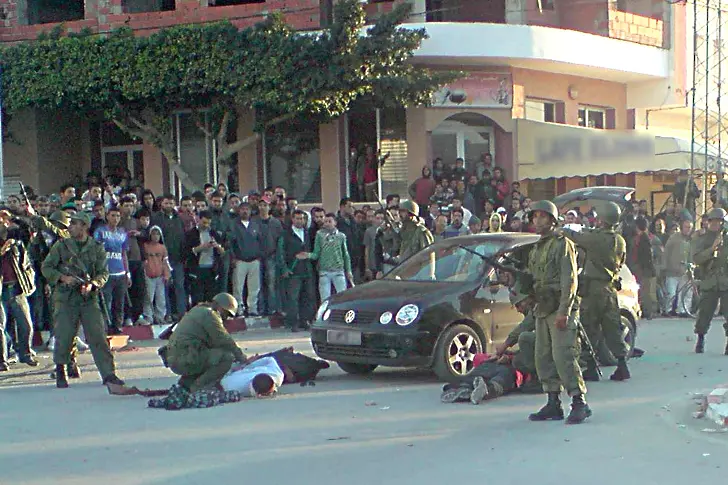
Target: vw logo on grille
x=350 y=316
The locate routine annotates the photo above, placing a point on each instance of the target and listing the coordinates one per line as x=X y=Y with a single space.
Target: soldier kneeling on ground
x=200 y=350
x=507 y=371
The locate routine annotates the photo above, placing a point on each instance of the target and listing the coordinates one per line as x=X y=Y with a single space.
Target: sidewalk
x=139 y=333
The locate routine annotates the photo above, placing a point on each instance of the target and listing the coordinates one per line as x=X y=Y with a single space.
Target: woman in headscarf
x=495 y=222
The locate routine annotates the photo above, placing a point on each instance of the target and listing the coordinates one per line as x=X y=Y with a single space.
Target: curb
x=715 y=405
x=151 y=332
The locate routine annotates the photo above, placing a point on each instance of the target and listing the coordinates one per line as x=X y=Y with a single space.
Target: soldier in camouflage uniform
x=390 y=239
x=414 y=235
x=552 y=263
x=77 y=268
x=711 y=255
x=200 y=350
x=524 y=334
x=606 y=251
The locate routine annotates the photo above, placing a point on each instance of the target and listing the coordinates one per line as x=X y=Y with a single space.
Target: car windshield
x=447 y=261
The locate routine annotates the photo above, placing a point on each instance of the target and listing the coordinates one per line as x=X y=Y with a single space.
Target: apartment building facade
x=561 y=93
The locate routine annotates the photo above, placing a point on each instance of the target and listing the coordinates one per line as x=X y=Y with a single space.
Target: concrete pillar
x=419 y=142
x=330 y=142
x=153 y=168
x=248 y=156
x=419 y=11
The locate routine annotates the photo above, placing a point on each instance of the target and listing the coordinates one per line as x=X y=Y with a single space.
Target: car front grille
x=351 y=351
x=362 y=317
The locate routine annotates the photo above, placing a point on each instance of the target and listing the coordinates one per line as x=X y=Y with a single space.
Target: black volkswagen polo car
x=437 y=309
x=441 y=306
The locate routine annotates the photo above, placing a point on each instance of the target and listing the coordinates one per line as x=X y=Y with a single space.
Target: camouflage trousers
x=557 y=356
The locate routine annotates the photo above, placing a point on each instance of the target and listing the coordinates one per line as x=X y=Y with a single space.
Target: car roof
x=510 y=240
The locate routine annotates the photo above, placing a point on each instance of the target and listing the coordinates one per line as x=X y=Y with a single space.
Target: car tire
x=461 y=343
x=359 y=369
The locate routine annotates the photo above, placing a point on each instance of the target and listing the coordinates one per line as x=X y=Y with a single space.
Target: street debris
x=370 y=403
x=339 y=438
x=384 y=408
x=699 y=414
x=681 y=426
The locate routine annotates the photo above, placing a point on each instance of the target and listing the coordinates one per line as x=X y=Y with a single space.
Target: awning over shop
x=546 y=150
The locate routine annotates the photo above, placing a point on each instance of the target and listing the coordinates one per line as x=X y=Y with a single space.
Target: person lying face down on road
x=504 y=372
x=261 y=376
x=200 y=350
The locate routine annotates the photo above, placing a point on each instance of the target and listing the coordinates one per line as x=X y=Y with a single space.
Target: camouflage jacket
x=552 y=262
x=713 y=265
x=606 y=252
x=528 y=324
x=414 y=238
x=201 y=328
x=69 y=256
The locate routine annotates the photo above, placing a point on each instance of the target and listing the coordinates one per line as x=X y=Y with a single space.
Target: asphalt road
x=389 y=428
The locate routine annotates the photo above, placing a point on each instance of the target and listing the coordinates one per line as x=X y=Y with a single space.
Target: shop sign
x=476 y=90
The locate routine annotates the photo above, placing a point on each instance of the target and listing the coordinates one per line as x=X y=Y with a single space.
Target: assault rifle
x=24 y=194
x=525 y=277
x=83 y=278
x=527 y=282
x=387 y=216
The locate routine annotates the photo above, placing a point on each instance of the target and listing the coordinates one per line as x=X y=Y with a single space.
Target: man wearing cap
x=414 y=235
x=77 y=268
x=711 y=255
x=200 y=350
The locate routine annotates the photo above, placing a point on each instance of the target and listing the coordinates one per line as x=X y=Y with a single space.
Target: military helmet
x=410 y=206
x=226 y=302
x=82 y=217
x=609 y=213
x=546 y=206
x=717 y=213
x=61 y=218
x=517 y=295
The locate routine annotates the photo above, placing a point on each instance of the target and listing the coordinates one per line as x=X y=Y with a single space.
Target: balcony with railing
x=26 y=19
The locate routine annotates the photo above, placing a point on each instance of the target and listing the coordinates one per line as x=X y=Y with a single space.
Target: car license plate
x=343 y=337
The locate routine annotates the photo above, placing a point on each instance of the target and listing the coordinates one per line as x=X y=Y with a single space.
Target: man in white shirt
x=259 y=378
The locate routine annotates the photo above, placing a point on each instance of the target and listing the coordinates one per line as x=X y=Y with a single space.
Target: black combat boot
x=700 y=344
x=725 y=352
x=579 y=410
x=551 y=411
x=622 y=372
x=113 y=379
x=74 y=372
x=61 y=378
x=590 y=374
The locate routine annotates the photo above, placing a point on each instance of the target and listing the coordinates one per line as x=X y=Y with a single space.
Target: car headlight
x=407 y=314
x=385 y=318
x=321 y=310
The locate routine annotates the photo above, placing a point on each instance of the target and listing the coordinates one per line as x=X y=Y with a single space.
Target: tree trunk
x=165 y=145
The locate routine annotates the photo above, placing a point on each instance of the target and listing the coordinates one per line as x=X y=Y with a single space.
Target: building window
x=225 y=3
x=592 y=117
x=53 y=11
x=538 y=110
x=546 y=4
x=469 y=136
x=393 y=175
x=141 y=6
x=292 y=159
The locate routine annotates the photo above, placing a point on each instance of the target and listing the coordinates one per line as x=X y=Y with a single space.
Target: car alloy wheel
x=461 y=353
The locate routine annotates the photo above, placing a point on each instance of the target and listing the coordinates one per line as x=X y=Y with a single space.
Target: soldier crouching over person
x=506 y=372
x=200 y=350
x=76 y=268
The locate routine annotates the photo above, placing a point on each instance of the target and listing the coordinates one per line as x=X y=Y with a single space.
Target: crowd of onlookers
x=165 y=255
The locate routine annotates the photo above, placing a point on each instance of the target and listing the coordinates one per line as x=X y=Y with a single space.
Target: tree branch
x=225 y=150
x=200 y=123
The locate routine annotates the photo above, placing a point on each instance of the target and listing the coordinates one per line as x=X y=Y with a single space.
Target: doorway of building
x=466 y=135
x=117 y=160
